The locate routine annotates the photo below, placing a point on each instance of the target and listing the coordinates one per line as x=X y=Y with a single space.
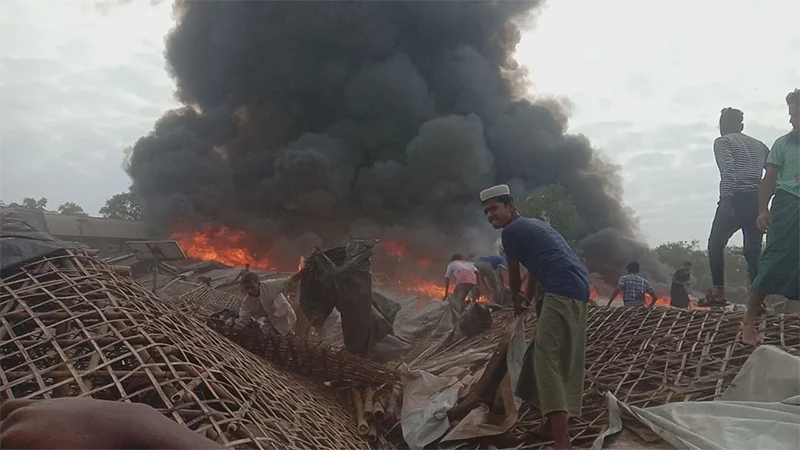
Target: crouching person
x=266 y=303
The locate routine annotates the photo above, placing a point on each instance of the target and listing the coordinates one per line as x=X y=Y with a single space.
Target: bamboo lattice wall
x=645 y=357
x=70 y=326
x=300 y=356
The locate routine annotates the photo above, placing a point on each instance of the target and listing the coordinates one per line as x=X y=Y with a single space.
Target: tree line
x=123 y=206
x=554 y=204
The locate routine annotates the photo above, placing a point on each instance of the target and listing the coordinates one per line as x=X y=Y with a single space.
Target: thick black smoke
x=382 y=119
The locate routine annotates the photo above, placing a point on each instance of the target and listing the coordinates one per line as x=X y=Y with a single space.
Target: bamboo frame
x=71 y=325
x=300 y=356
x=645 y=357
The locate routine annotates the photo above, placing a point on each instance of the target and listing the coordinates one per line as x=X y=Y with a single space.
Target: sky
x=81 y=80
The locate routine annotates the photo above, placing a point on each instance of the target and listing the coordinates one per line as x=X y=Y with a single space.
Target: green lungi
x=779 y=266
x=552 y=371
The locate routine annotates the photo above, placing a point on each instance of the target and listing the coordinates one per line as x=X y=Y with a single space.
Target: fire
x=300 y=266
x=219 y=244
x=422 y=288
x=424 y=262
x=661 y=301
x=394 y=248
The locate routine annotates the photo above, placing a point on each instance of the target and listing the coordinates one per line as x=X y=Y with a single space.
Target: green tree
x=32 y=203
x=122 y=206
x=555 y=205
x=71 y=209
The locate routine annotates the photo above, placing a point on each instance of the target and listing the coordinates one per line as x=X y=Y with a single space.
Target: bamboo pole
x=20 y=374
x=125 y=271
x=358 y=405
x=378 y=411
x=238 y=417
x=178 y=397
x=372 y=432
x=369 y=395
x=395 y=402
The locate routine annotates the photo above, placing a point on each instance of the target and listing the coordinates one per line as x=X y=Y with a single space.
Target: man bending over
x=553 y=368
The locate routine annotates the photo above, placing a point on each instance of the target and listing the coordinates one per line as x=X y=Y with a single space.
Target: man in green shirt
x=779 y=266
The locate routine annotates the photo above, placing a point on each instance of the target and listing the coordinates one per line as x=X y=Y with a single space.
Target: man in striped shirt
x=740 y=159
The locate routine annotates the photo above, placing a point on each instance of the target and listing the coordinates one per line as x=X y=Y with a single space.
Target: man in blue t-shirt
x=553 y=367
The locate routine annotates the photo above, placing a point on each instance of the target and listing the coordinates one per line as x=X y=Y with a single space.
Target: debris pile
x=643 y=356
x=72 y=326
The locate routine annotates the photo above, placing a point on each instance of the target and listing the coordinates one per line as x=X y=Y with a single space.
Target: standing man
x=679 y=295
x=489 y=268
x=779 y=266
x=465 y=276
x=553 y=367
x=740 y=159
x=633 y=288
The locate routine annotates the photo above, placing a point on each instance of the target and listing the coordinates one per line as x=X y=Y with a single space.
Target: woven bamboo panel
x=211 y=299
x=311 y=360
x=69 y=326
x=645 y=357
x=300 y=356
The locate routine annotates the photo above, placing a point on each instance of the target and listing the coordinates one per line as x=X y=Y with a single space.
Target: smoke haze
x=307 y=122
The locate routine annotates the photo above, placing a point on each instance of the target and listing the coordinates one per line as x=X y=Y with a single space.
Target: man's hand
x=87 y=423
x=763 y=221
x=520 y=304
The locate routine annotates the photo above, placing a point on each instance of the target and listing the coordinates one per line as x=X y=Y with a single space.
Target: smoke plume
x=308 y=122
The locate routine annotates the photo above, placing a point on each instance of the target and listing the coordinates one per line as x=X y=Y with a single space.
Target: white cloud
x=648 y=79
x=79 y=84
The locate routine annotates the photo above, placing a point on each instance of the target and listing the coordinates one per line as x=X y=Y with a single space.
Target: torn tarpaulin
x=21 y=242
x=344 y=281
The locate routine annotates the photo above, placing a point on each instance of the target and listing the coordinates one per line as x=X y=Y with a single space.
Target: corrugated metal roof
x=61 y=225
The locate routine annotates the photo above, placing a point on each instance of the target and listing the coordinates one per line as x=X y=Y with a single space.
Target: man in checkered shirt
x=633 y=288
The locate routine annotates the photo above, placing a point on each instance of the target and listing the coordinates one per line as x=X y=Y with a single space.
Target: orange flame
x=422 y=288
x=663 y=300
x=219 y=244
x=394 y=248
x=300 y=266
x=424 y=262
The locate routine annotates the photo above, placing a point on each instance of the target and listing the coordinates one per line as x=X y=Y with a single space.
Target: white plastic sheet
x=748 y=418
x=426 y=400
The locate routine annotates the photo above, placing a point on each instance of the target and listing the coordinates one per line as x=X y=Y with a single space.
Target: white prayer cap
x=495 y=191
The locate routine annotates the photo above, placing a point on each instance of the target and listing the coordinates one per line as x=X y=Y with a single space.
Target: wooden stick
x=369 y=395
x=358 y=405
x=191 y=386
x=218 y=389
x=159 y=375
x=238 y=416
x=485 y=388
x=85 y=315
